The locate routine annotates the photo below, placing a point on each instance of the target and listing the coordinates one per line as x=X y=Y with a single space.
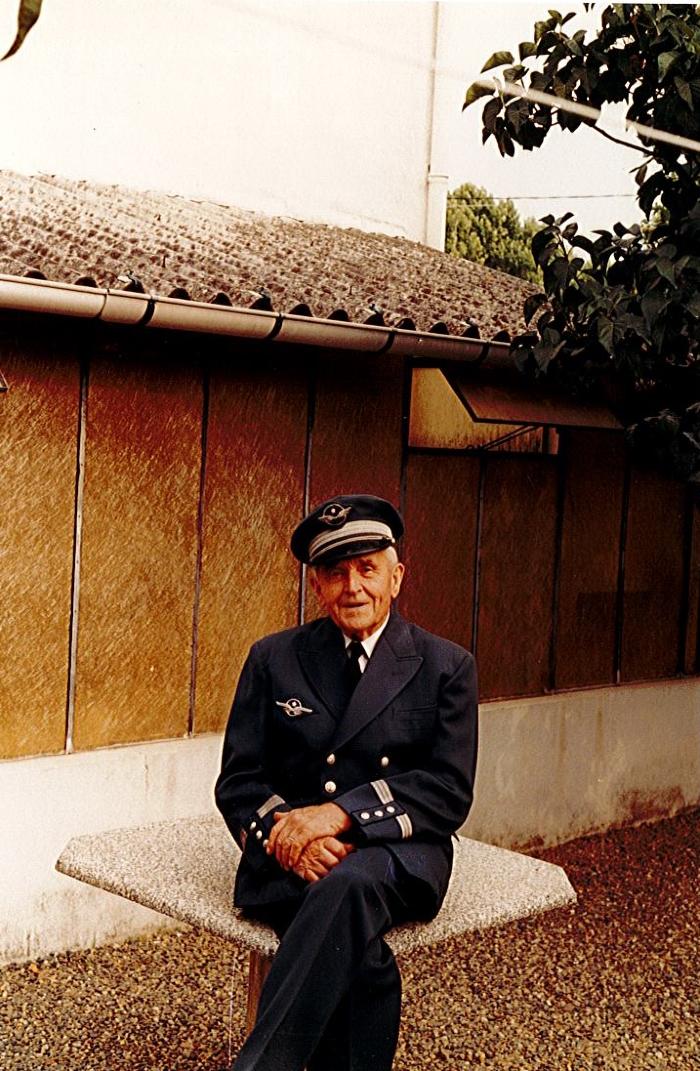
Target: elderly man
x=348 y=763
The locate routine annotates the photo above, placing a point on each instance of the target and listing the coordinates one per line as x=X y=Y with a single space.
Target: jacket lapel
x=393 y=664
x=322 y=659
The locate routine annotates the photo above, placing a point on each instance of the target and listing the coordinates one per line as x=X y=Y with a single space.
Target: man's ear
x=396 y=578
x=316 y=588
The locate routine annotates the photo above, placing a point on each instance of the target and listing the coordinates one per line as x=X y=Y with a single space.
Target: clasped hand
x=305 y=840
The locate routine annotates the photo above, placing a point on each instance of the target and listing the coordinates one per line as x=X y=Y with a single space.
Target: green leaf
x=541 y=241
x=605 y=331
x=560 y=270
x=26 y=17
x=526 y=48
x=650 y=190
x=532 y=304
x=490 y=113
x=549 y=42
x=475 y=91
x=581 y=242
x=653 y=305
x=683 y=91
x=544 y=352
x=506 y=144
x=498 y=59
x=666 y=269
x=514 y=74
x=666 y=61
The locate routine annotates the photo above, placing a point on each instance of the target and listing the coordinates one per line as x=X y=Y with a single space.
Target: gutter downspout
x=438 y=177
x=175 y=314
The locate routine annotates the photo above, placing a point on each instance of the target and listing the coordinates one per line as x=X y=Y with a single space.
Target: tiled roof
x=69 y=230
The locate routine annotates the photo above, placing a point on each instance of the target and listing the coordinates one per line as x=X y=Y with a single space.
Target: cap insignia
x=334 y=515
x=293 y=707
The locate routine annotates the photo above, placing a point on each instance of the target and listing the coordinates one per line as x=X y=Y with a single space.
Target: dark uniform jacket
x=399 y=759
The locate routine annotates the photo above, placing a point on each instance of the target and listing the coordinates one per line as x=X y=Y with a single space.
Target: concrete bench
x=185 y=869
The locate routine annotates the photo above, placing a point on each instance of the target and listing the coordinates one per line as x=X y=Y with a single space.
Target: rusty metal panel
x=441 y=514
x=440 y=420
x=653 y=577
x=509 y=398
x=516 y=575
x=38 y=448
x=692 y=640
x=254 y=494
x=590 y=548
x=357 y=432
x=138 y=550
x=357 y=427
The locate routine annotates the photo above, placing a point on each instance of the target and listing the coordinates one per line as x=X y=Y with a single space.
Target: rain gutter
x=176 y=314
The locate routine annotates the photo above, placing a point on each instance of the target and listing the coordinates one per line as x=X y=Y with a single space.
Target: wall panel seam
x=684 y=608
x=308 y=458
x=620 y=607
x=562 y=473
x=77 y=551
x=476 y=587
x=204 y=438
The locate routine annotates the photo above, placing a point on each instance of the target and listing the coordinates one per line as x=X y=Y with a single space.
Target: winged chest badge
x=293 y=708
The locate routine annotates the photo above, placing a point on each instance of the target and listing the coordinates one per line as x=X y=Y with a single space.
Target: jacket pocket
x=416 y=723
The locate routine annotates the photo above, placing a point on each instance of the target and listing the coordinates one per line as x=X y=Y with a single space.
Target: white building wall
x=335 y=125
x=315 y=110
x=550 y=768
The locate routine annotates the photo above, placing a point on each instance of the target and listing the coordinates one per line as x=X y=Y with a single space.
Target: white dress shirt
x=368 y=645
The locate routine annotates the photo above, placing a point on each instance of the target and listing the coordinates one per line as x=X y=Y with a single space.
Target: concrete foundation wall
x=550 y=769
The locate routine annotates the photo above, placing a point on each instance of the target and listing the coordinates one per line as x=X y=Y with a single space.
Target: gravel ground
x=612 y=983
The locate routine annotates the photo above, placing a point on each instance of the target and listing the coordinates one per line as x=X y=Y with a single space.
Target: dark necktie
x=354 y=653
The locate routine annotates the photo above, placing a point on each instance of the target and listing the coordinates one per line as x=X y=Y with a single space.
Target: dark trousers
x=332 y=999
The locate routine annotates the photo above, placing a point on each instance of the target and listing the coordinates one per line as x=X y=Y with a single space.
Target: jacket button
x=331 y=759
x=365 y=816
x=259 y=834
x=384 y=761
x=379 y=814
x=329 y=787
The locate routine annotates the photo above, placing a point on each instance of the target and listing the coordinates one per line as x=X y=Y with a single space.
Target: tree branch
x=620 y=141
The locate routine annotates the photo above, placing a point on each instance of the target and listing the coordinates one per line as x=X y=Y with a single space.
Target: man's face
x=356 y=593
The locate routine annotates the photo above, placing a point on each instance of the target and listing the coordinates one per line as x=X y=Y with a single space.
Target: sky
x=581 y=172
x=94 y=83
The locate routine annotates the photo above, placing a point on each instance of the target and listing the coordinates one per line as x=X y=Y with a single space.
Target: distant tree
x=27 y=15
x=625 y=316
x=490 y=232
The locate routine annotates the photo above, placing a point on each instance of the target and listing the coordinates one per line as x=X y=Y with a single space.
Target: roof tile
x=70 y=230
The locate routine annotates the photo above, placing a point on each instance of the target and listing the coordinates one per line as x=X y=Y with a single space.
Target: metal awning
x=504 y=396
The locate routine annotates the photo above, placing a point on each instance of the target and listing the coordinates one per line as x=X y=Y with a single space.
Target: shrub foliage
x=619 y=314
